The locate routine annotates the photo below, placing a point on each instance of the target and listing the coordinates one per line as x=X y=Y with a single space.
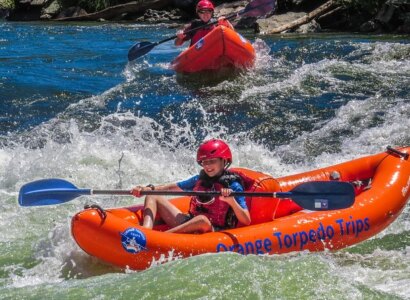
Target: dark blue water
x=45 y=68
x=72 y=107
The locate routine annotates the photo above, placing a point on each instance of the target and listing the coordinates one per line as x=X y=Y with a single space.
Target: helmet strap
x=227 y=164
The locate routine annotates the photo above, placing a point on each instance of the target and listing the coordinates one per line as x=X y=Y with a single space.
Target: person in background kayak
x=205 y=10
x=205 y=213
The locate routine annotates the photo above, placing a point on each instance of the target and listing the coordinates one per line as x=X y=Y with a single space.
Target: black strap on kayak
x=396 y=152
x=100 y=210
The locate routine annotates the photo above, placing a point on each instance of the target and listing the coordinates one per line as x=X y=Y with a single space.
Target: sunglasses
x=205 y=11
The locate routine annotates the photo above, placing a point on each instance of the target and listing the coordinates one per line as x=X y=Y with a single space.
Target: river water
x=72 y=107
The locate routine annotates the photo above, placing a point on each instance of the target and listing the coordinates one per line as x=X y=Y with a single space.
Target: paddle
x=256 y=8
x=315 y=195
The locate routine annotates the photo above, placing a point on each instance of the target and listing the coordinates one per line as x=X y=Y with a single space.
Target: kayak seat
x=263 y=209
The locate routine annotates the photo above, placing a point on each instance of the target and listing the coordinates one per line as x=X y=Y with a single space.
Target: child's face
x=205 y=14
x=213 y=166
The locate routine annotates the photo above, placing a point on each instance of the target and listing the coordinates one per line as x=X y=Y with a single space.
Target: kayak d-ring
x=100 y=210
x=391 y=150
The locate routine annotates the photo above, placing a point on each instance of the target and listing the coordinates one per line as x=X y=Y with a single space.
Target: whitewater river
x=71 y=107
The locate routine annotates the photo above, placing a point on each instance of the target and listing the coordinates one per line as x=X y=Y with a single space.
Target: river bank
x=371 y=16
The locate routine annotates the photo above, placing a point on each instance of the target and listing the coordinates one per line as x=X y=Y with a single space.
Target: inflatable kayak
x=221 y=48
x=382 y=189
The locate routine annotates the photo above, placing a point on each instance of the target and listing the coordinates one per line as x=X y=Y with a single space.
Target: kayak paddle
x=256 y=8
x=315 y=195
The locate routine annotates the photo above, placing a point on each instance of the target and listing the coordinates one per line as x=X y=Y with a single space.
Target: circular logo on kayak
x=199 y=44
x=133 y=240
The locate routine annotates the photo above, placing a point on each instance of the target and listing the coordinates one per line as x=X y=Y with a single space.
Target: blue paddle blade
x=323 y=195
x=259 y=8
x=139 y=50
x=49 y=192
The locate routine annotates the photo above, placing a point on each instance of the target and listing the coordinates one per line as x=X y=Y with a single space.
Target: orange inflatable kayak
x=278 y=226
x=221 y=48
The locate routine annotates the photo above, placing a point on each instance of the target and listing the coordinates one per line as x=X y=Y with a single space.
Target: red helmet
x=205 y=4
x=214 y=149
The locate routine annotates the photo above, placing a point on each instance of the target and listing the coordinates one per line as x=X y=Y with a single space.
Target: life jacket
x=217 y=211
x=196 y=35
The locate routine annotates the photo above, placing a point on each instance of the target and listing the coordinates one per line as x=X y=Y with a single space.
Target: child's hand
x=225 y=195
x=180 y=34
x=136 y=191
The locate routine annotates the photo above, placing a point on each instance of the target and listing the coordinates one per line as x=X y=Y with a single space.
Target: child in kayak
x=204 y=10
x=205 y=213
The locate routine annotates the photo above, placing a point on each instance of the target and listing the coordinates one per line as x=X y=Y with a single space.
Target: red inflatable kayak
x=221 y=48
x=278 y=226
